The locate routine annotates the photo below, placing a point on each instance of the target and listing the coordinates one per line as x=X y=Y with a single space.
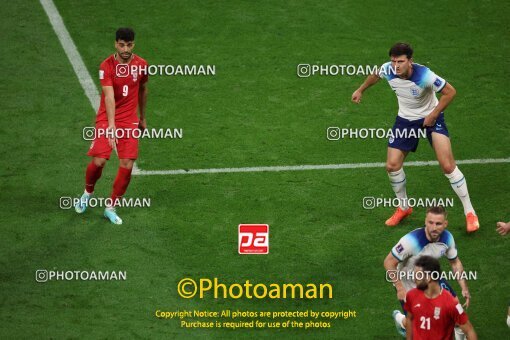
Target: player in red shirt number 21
x=123 y=78
x=432 y=312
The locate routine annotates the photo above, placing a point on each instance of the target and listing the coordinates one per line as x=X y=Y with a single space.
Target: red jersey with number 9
x=126 y=80
x=434 y=319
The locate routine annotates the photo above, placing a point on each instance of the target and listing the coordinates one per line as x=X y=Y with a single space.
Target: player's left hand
x=429 y=121
x=142 y=124
x=467 y=296
x=503 y=228
x=111 y=135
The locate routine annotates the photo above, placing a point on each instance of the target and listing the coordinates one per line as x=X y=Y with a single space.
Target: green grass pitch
x=254 y=112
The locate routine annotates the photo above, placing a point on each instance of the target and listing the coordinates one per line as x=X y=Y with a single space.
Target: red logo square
x=253 y=239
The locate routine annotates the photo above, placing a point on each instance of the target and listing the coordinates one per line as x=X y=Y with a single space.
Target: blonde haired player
x=433 y=240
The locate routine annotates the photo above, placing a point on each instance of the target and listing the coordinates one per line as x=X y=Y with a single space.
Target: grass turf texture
x=254 y=112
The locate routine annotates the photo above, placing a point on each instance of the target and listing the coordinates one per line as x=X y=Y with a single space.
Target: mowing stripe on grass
x=308 y=167
x=92 y=94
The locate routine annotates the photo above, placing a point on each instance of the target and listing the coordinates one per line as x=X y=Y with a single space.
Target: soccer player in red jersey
x=432 y=312
x=123 y=78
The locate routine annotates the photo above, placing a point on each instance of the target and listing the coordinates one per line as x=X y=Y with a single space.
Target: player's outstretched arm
x=447 y=95
x=390 y=264
x=371 y=80
x=109 y=100
x=469 y=331
x=458 y=269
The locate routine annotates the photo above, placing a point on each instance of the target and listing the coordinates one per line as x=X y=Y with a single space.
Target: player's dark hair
x=429 y=264
x=125 y=33
x=401 y=48
x=438 y=210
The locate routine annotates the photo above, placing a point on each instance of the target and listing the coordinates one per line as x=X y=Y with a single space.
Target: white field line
x=72 y=53
x=309 y=167
x=75 y=59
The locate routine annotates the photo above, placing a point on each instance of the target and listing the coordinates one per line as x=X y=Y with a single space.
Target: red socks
x=121 y=183
x=91 y=176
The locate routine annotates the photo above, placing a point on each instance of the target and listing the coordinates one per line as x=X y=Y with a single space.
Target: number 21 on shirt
x=425 y=323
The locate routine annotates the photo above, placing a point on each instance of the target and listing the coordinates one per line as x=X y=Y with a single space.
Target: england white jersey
x=416 y=244
x=416 y=95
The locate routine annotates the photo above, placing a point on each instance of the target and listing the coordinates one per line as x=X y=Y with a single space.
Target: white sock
x=398 y=183
x=88 y=193
x=459 y=185
x=459 y=334
x=508 y=320
x=400 y=319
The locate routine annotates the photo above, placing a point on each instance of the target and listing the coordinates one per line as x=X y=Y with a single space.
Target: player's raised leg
x=444 y=154
x=92 y=174
x=119 y=189
x=394 y=167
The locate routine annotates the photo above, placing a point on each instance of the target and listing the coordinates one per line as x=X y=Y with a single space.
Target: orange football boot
x=398 y=216
x=472 y=224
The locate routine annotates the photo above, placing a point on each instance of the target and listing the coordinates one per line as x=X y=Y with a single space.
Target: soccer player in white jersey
x=416 y=86
x=432 y=240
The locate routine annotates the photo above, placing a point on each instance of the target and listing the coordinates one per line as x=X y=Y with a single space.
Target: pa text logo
x=253 y=239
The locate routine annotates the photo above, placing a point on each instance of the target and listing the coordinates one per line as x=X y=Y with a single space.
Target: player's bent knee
x=100 y=162
x=448 y=167
x=392 y=167
x=127 y=163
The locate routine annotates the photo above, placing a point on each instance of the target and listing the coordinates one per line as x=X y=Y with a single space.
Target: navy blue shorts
x=444 y=284
x=404 y=127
